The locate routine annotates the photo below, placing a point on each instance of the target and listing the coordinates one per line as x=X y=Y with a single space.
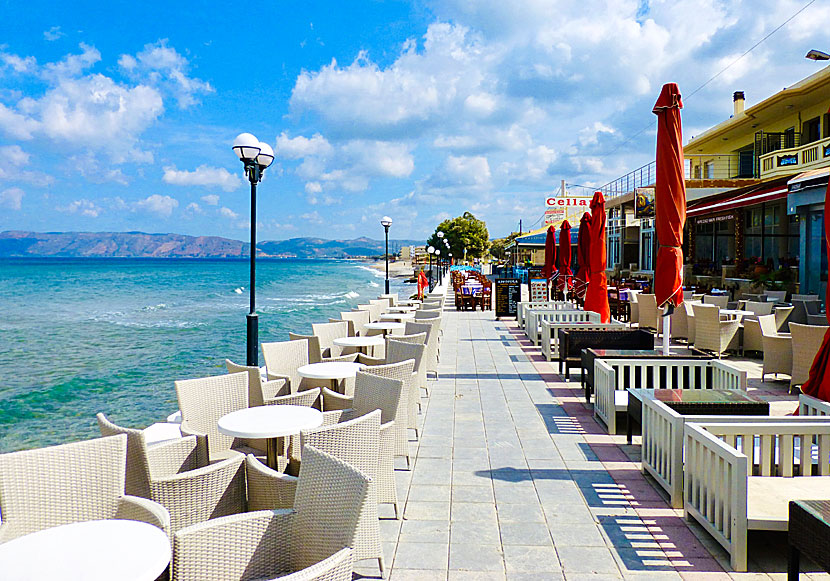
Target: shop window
x=810 y=130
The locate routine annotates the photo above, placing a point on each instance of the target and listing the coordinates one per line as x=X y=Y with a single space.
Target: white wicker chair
x=634 y=306
x=258 y=390
x=357 y=442
x=776 y=296
x=649 y=316
x=777 y=347
x=806 y=342
x=76 y=482
x=432 y=343
x=203 y=401
x=680 y=323
x=283 y=358
x=720 y=301
x=711 y=333
x=359 y=320
x=308 y=543
x=315 y=352
x=327 y=333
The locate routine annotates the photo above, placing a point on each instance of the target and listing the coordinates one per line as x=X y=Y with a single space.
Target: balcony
x=796 y=159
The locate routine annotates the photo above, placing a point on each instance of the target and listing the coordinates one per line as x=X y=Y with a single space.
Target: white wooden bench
x=723 y=492
x=613 y=377
x=522 y=308
x=662 y=442
x=549 y=332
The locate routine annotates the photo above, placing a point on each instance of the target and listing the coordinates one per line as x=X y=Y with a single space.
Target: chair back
x=398 y=351
x=648 y=311
x=776 y=296
x=285 y=357
x=717 y=300
x=327 y=333
x=768 y=326
x=759 y=308
x=359 y=320
x=375 y=392
x=206 y=399
x=315 y=353
x=420 y=338
x=799 y=314
x=330 y=496
x=812 y=307
x=422 y=314
x=805 y=298
x=782 y=315
x=138 y=466
x=349 y=323
x=258 y=391
x=59 y=485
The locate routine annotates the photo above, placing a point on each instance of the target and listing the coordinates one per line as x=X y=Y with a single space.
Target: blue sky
x=120 y=116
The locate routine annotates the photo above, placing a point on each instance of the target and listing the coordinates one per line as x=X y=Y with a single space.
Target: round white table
x=735 y=313
x=402 y=309
x=397 y=316
x=333 y=371
x=386 y=326
x=88 y=551
x=271 y=422
x=362 y=342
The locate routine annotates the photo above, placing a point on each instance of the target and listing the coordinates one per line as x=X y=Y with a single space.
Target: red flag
x=422 y=284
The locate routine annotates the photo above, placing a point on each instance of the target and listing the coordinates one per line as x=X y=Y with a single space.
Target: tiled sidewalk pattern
x=515 y=480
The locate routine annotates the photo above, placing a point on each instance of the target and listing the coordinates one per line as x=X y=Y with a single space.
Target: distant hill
x=142 y=245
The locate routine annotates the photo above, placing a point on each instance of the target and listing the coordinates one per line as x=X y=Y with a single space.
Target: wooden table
x=127 y=550
x=270 y=422
x=809 y=533
x=709 y=402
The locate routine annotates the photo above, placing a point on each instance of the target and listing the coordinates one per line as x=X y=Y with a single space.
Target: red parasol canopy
x=565 y=255
x=818 y=385
x=583 y=251
x=669 y=197
x=596 y=299
x=422 y=284
x=550 y=253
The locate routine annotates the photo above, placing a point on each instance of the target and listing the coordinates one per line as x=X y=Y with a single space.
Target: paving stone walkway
x=513 y=479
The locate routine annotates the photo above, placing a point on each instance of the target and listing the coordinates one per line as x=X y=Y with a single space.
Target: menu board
x=538 y=290
x=508 y=295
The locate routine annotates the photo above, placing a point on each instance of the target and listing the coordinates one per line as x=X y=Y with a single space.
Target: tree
x=498 y=248
x=465 y=231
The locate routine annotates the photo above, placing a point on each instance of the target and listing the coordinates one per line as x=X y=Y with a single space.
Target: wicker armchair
x=720 y=301
x=327 y=333
x=649 y=315
x=432 y=344
x=258 y=390
x=356 y=442
x=690 y=322
x=374 y=311
x=359 y=320
x=76 y=482
x=776 y=296
x=308 y=543
x=759 y=308
x=711 y=333
x=805 y=298
x=680 y=323
x=315 y=352
x=282 y=359
x=202 y=402
x=806 y=342
x=397 y=352
x=375 y=392
x=777 y=347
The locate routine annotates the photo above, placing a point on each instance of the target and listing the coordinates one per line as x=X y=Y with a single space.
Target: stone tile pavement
x=513 y=479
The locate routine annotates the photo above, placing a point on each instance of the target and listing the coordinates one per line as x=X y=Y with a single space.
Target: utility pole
x=520 y=226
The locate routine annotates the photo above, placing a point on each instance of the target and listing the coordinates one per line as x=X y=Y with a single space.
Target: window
x=771 y=236
x=789 y=137
x=810 y=130
x=647 y=244
x=615 y=223
x=715 y=242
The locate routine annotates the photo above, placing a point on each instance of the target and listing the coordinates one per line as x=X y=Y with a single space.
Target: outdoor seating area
x=471 y=290
x=263 y=471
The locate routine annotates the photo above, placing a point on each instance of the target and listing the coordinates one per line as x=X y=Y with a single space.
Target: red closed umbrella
x=583 y=253
x=596 y=299
x=818 y=384
x=669 y=197
x=565 y=255
x=550 y=253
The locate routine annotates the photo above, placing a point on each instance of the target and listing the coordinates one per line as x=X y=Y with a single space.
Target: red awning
x=704 y=208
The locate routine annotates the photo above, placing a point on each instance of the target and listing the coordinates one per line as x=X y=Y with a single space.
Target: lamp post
x=430 y=251
x=386 y=221
x=446 y=261
x=438 y=263
x=256 y=156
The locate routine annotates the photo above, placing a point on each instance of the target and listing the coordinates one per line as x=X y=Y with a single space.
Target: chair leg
x=382 y=568
x=397 y=512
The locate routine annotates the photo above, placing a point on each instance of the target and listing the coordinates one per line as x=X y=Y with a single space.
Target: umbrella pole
x=666 y=328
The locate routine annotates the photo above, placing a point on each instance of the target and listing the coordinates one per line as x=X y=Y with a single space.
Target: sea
x=80 y=336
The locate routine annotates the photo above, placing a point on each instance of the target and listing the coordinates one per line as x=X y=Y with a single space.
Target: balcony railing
x=796 y=159
x=698 y=167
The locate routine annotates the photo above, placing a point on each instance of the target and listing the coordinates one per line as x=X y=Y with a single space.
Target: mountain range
x=15 y=243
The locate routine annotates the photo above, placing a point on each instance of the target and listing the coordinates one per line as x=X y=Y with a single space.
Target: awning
x=537 y=238
x=750 y=198
x=809 y=179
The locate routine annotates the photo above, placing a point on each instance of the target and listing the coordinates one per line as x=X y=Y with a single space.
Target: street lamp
x=817 y=55
x=438 y=263
x=386 y=221
x=430 y=251
x=256 y=157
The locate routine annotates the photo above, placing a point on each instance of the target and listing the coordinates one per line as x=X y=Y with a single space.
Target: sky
x=120 y=116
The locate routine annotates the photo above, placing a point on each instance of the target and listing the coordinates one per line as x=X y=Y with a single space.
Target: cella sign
x=561 y=208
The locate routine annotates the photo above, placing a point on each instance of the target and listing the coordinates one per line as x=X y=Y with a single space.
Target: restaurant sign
x=644 y=203
x=561 y=208
x=712 y=219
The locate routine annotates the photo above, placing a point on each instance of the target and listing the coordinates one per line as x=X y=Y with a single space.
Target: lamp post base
x=253 y=340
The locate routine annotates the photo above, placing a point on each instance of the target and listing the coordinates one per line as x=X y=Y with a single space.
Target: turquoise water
x=79 y=336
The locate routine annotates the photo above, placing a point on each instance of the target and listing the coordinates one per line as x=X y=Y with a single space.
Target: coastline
x=397 y=269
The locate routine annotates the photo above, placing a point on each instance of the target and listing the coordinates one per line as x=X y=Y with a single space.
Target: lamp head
x=266 y=155
x=817 y=55
x=437 y=252
x=247 y=147
x=386 y=221
x=440 y=234
x=431 y=250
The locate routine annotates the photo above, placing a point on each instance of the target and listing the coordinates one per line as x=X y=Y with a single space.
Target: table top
x=362 y=341
x=162 y=431
x=645 y=353
x=386 y=326
x=330 y=370
x=819 y=509
x=397 y=316
x=735 y=312
x=402 y=309
x=696 y=396
x=88 y=551
x=269 y=421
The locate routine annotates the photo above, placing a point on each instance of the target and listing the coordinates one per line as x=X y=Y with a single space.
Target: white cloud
x=204 y=176
x=211 y=199
x=53 y=34
x=462 y=171
x=83 y=207
x=157 y=204
x=15 y=125
x=312 y=217
x=193 y=208
x=300 y=147
x=161 y=65
x=228 y=213
x=11 y=198
x=313 y=188
x=91 y=168
x=18 y=64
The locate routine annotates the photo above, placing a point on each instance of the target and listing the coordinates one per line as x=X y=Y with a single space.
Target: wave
x=238 y=290
x=373 y=284
x=155 y=307
x=375 y=271
x=351 y=295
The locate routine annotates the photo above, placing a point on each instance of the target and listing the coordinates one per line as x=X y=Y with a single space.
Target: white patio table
x=363 y=342
x=386 y=326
